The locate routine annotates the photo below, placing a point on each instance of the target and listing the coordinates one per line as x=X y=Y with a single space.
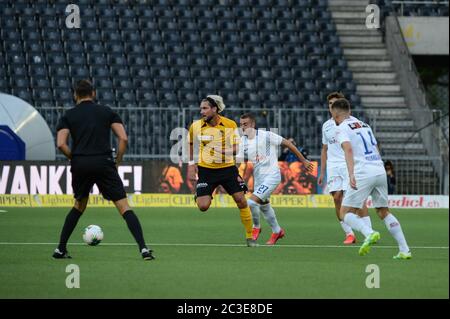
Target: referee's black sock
x=135 y=228
x=69 y=225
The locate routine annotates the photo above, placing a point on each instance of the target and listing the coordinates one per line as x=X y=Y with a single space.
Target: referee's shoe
x=61 y=254
x=147 y=254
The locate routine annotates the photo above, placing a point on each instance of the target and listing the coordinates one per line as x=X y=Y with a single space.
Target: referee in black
x=92 y=162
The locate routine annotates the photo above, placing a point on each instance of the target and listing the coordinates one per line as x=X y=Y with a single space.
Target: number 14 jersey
x=367 y=159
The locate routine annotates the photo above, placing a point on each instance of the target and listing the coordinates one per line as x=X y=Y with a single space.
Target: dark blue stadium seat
x=195 y=73
x=22 y=93
x=146 y=95
x=105 y=96
x=61 y=82
x=79 y=72
x=34 y=48
x=18 y=71
x=187 y=97
x=20 y=82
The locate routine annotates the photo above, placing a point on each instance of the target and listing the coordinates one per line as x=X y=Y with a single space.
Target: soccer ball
x=93 y=235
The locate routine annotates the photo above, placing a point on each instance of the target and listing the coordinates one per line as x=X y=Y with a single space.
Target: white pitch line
x=224 y=245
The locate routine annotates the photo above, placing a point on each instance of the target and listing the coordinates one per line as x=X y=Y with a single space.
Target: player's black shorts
x=209 y=179
x=100 y=170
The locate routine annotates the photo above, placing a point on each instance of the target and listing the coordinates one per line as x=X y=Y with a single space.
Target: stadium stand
x=257 y=53
x=266 y=54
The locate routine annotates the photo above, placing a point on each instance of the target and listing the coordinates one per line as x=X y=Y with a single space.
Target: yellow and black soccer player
x=213 y=145
x=90 y=125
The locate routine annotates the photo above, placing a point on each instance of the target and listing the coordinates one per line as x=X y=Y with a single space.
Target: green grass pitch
x=202 y=255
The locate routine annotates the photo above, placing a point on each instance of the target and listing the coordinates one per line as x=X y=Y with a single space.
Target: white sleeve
x=275 y=139
x=342 y=135
x=324 y=139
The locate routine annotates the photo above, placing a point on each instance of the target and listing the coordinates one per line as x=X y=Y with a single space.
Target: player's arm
x=348 y=151
x=232 y=138
x=191 y=154
x=61 y=142
x=192 y=166
x=121 y=134
x=323 y=163
x=309 y=166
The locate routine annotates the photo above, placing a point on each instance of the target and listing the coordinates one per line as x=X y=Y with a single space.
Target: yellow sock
x=246 y=218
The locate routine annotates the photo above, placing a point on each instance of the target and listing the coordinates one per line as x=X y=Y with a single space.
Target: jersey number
x=261 y=189
x=367 y=151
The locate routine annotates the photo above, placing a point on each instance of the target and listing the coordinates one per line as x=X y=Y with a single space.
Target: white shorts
x=375 y=186
x=337 y=179
x=264 y=187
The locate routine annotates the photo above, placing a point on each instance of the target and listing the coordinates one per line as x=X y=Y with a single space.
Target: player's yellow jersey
x=210 y=142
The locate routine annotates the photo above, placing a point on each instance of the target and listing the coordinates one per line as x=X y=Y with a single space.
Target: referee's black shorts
x=100 y=170
x=228 y=177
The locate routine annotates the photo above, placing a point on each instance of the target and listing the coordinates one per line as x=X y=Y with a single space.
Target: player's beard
x=208 y=118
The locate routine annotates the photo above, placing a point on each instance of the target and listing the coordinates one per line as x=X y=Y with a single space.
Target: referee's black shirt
x=90 y=128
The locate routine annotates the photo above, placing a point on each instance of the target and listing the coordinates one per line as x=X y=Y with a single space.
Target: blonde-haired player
x=213 y=145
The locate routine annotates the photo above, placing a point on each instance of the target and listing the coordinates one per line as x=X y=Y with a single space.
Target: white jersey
x=335 y=154
x=262 y=151
x=367 y=159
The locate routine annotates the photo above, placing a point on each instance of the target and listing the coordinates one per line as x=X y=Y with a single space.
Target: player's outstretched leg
x=135 y=228
x=271 y=218
x=364 y=214
x=394 y=227
x=350 y=236
x=255 y=210
x=69 y=225
x=358 y=224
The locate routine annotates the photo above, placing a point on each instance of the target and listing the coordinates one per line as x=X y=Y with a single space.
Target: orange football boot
x=350 y=239
x=255 y=233
x=274 y=238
